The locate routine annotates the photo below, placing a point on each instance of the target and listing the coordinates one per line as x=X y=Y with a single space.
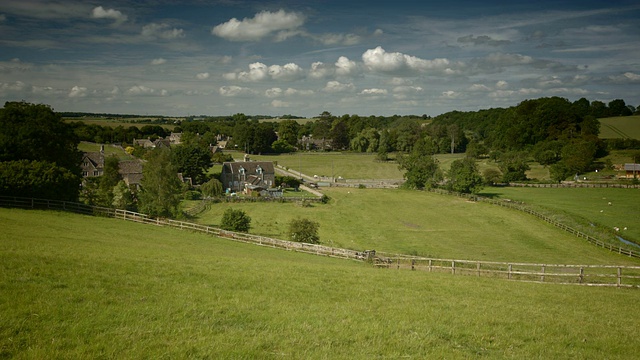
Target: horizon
x=279 y=58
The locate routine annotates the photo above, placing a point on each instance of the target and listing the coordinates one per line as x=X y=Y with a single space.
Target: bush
x=235 y=220
x=304 y=230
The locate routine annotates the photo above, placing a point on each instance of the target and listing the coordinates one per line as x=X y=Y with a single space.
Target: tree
x=422 y=170
x=288 y=132
x=35 y=132
x=109 y=179
x=161 y=187
x=122 y=197
x=38 y=179
x=304 y=230
x=513 y=165
x=192 y=160
x=235 y=220
x=491 y=176
x=212 y=188
x=464 y=176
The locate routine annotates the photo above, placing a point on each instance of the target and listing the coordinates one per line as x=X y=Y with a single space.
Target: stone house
x=238 y=176
x=92 y=164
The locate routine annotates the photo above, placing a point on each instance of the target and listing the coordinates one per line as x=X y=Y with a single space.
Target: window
x=96 y=173
x=85 y=173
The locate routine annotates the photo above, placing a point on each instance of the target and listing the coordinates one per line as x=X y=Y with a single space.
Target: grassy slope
x=620 y=127
x=80 y=287
x=411 y=222
x=592 y=205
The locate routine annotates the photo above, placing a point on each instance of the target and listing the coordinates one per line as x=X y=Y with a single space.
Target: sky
x=222 y=57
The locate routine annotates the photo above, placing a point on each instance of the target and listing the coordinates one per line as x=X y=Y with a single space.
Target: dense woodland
x=39 y=156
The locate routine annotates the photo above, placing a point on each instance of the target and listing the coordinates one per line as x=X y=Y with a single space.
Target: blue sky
x=303 y=58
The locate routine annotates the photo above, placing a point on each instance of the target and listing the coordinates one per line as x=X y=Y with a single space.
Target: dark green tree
x=304 y=230
x=464 y=177
x=513 y=165
x=109 y=179
x=288 y=132
x=235 y=220
x=38 y=179
x=161 y=187
x=212 y=188
x=192 y=160
x=422 y=169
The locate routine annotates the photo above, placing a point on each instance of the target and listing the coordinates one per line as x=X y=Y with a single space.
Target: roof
x=131 y=171
x=95 y=158
x=250 y=167
x=632 y=167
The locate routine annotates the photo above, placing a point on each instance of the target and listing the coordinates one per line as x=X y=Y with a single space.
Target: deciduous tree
x=304 y=230
x=235 y=220
x=161 y=187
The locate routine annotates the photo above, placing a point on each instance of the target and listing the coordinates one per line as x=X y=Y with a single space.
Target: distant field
x=109 y=150
x=620 y=127
x=77 y=287
x=592 y=205
x=422 y=223
x=115 y=123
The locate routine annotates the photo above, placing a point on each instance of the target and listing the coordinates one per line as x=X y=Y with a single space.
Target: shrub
x=304 y=230
x=235 y=220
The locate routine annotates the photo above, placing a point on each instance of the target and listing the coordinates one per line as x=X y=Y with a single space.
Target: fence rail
x=590 y=275
x=516 y=206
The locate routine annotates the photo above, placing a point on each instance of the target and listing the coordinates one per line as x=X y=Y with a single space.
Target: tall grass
x=79 y=287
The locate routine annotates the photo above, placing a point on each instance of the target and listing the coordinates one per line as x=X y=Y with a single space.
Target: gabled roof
x=632 y=167
x=250 y=167
x=95 y=158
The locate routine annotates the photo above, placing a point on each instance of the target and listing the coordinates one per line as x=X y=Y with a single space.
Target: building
x=92 y=164
x=238 y=176
x=631 y=171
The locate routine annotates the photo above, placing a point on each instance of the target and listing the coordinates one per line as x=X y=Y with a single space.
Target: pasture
x=81 y=287
x=424 y=224
x=623 y=127
x=126 y=123
x=584 y=204
x=109 y=150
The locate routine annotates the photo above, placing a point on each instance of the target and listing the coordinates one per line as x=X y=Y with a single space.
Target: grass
x=422 y=223
x=136 y=122
x=620 y=127
x=585 y=205
x=80 y=287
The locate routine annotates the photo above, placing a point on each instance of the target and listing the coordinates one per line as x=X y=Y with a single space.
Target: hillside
x=623 y=127
x=83 y=287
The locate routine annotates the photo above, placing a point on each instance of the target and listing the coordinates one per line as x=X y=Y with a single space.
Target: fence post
x=430 y=265
x=398 y=263
x=453 y=267
x=542 y=276
x=619 y=282
x=581 y=274
x=413 y=264
x=509 y=273
x=478 y=268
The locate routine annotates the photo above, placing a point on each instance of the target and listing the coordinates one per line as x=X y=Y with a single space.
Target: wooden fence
x=576 y=185
x=517 y=206
x=591 y=275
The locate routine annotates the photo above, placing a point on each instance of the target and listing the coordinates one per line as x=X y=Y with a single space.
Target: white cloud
x=479 y=87
x=230 y=76
x=378 y=60
x=320 y=70
x=158 y=61
x=257 y=72
x=261 y=25
x=101 y=13
x=273 y=92
x=15 y=87
x=450 y=94
x=291 y=92
x=162 y=31
x=407 y=89
x=374 y=91
x=141 y=90
x=502 y=84
x=289 y=71
x=202 y=76
x=78 y=91
x=338 y=39
x=346 y=67
x=280 y=104
x=378 y=32
x=336 y=86
x=482 y=40
x=234 y=91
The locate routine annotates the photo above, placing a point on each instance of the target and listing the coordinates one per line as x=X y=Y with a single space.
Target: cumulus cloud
x=141 y=90
x=336 y=86
x=280 y=104
x=158 y=61
x=338 y=39
x=78 y=91
x=450 y=94
x=292 y=91
x=273 y=92
x=374 y=91
x=202 y=76
x=261 y=25
x=101 y=13
x=346 y=67
x=378 y=60
x=627 y=77
x=233 y=90
x=320 y=70
x=259 y=71
x=479 y=87
x=502 y=84
x=162 y=31
x=482 y=40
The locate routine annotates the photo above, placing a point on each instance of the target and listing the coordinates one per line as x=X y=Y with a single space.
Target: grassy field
x=620 y=127
x=80 y=287
x=426 y=224
x=590 y=205
x=115 y=122
x=109 y=150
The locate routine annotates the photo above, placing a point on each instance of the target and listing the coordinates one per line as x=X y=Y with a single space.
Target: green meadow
x=620 y=127
x=425 y=224
x=607 y=207
x=77 y=287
